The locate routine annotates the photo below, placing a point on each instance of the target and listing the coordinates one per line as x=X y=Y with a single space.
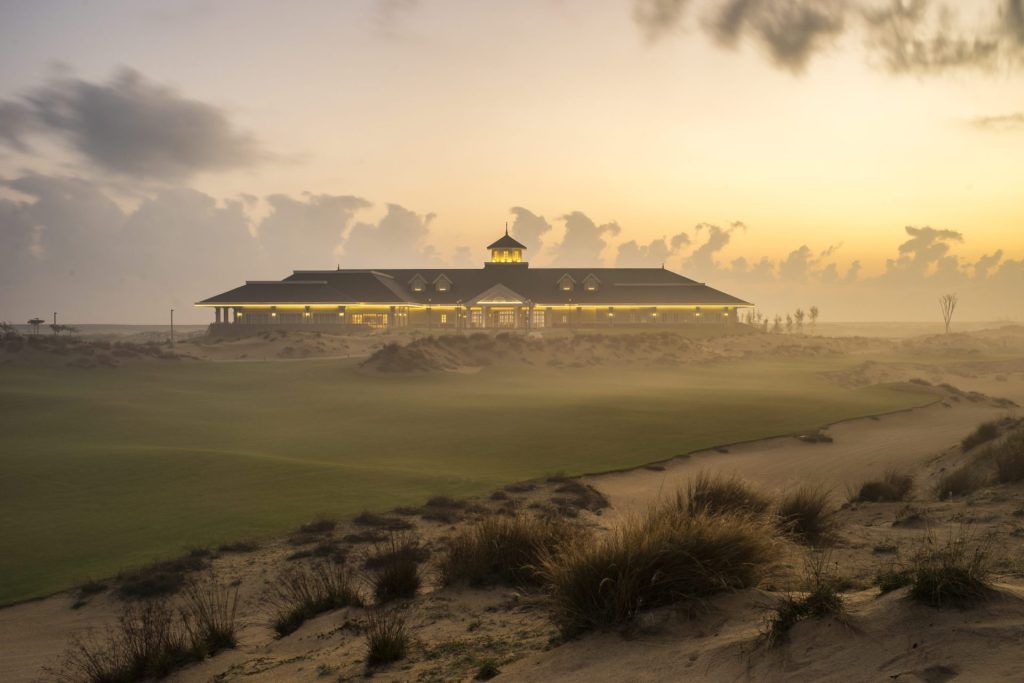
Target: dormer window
x=590 y=283
x=442 y=283
x=417 y=283
x=566 y=283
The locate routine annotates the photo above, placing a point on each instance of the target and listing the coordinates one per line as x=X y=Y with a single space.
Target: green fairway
x=100 y=470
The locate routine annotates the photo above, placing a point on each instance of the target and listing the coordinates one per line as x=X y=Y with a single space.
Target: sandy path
x=863 y=448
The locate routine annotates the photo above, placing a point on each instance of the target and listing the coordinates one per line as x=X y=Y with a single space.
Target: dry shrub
x=807 y=515
x=163 y=578
x=664 y=556
x=955 y=574
x=394 y=568
x=721 y=495
x=960 y=481
x=1009 y=459
x=155 y=637
x=387 y=638
x=893 y=487
x=822 y=599
x=303 y=591
x=505 y=549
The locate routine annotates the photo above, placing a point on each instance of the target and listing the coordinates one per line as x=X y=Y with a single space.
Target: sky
x=864 y=156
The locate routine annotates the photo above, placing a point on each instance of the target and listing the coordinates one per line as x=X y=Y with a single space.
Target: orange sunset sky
x=153 y=153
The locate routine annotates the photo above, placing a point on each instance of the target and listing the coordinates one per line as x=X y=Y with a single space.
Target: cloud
x=920 y=36
x=398 y=240
x=529 y=228
x=1006 y=122
x=986 y=263
x=702 y=261
x=926 y=252
x=129 y=126
x=656 y=17
x=308 y=233
x=791 y=30
x=584 y=240
x=632 y=254
x=899 y=36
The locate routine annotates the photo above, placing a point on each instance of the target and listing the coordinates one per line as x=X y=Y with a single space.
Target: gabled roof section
x=278 y=292
x=498 y=294
x=506 y=242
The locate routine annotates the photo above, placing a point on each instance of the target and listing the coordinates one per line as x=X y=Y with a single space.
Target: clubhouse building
x=505 y=294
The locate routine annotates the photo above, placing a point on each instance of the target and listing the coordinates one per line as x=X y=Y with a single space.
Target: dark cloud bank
x=900 y=36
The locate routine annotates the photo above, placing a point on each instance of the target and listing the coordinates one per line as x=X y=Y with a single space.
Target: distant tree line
x=793 y=323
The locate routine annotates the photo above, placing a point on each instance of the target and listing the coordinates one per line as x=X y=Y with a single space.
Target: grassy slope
x=104 y=469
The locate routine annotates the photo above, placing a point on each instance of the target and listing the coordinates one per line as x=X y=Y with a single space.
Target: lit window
x=444 y=318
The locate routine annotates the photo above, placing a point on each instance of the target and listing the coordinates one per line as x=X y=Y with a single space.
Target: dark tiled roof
x=617 y=286
x=506 y=242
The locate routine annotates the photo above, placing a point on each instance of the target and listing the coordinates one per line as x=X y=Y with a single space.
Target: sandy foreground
x=883 y=638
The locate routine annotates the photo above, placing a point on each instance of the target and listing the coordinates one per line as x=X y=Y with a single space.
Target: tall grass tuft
x=986 y=431
x=302 y=592
x=208 y=615
x=893 y=487
x=965 y=479
x=664 y=556
x=721 y=495
x=1009 y=459
x=807 y=515
x=505 y=549
x=387 y=638
x=955 y=574
x=155 y=637
x=394 y=569
x=821 y=599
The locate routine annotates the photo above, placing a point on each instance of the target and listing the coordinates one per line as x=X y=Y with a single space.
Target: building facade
x=505 y=294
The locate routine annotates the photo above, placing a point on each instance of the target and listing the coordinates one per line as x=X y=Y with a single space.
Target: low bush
x=582 y=496
x=303 y=591
x=487 y=670
x=960 y=481
x=387 y=638
x=664 y=556
x=721 y=495
x=321 y=525
x=394 y=568
x=807 y=515
x=161 y=579
x=822 y=599
x=986 y=431
x=892 y=578
x=893 y=487
x=372 y=519
x=956 y=573
x=504 y=549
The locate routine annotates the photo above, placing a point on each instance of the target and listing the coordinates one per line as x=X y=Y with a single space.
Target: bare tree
x=799 y=316
x=947 y=304
x=813 y=313
x=777 y=324
x=789 y=322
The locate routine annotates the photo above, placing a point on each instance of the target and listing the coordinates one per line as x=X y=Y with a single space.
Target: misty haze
x=437 y=340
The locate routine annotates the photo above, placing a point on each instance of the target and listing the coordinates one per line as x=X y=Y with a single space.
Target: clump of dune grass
x=821 y=599
x=720 y=495
x=302 y=592
x=664 y=556
x=505 y=549
x=807 y=515
x=893 y=487
x=208 y=615
x=155 y=637
x=162 y=578
x=394 y=568
x=954 y=574
x=387 y=638
x=986 y=431
x=1009 y=459
x=960 y=481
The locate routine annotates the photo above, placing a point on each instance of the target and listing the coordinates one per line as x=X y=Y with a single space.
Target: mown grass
x=137 y=463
